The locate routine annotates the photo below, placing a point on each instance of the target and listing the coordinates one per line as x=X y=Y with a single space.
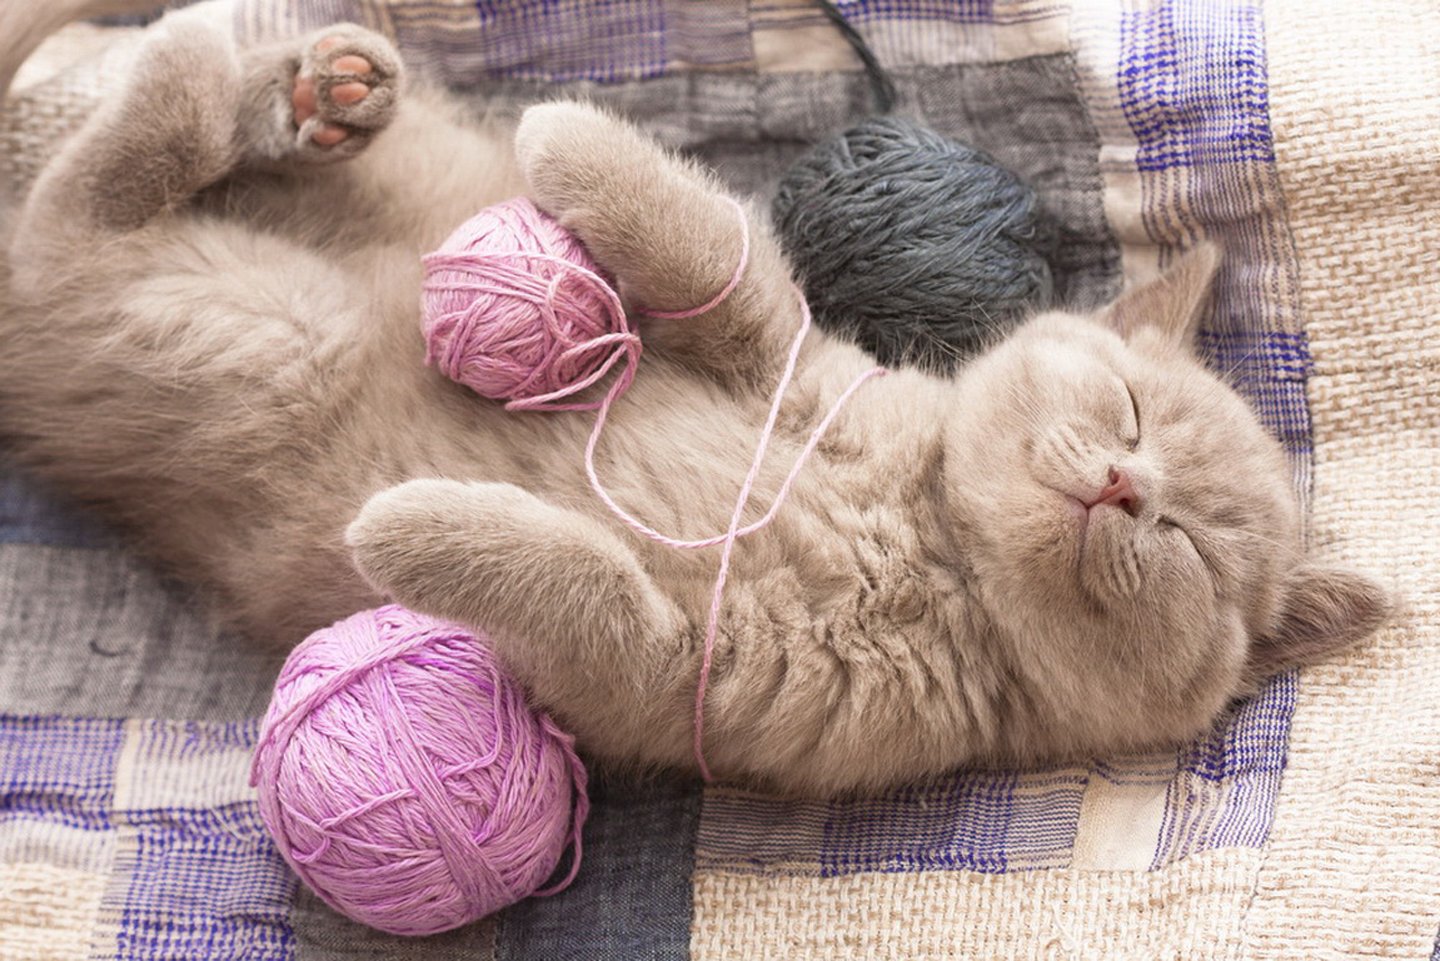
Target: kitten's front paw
x=396 y=528
x=500 y=559
x=412 y=541
x=568 y=150
x=344 y=91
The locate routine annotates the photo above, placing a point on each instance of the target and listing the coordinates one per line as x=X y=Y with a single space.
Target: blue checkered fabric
x=922 y=11
x=1225 y=790
x=630 y=32
x=59 y=769
x=975 y=822
x=1269 y=369
x=1193 y=85
x=193 y=873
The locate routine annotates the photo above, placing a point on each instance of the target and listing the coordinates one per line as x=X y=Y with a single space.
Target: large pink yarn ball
x=405 y=779
x=515 y=308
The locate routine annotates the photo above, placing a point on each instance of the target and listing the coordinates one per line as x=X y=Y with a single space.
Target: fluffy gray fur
x=211 y=330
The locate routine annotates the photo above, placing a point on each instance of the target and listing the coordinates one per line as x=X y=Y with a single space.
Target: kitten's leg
x=569 y=605
x=193 y=109
x=670 y=236
x=147 y=150
x=317 y=100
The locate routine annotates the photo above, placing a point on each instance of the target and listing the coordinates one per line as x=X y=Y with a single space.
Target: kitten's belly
x=674 y=454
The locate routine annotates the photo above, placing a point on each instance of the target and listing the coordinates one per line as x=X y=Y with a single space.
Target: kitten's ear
x=1324 y=610
x=1171 y=303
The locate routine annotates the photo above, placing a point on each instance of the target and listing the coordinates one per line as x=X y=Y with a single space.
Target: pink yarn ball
x=515 y=308
x=405 y=779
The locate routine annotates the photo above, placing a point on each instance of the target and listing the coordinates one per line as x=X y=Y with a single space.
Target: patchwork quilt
x=1300 y=135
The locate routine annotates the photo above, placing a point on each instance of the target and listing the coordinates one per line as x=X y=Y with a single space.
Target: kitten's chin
x=1107 y=565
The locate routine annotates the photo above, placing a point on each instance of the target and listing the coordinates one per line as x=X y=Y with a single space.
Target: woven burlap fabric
x=1193 y=910
x=1353 y=864
x=46 y=912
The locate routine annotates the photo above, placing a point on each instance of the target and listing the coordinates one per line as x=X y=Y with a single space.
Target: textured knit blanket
x=1304 y=136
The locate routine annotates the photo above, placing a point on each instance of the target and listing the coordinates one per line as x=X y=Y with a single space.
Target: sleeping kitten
x=1084 y=543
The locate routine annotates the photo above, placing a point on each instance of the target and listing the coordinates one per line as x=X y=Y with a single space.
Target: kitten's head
x=1136 y=533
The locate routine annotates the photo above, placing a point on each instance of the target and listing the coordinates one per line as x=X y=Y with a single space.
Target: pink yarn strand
x=629 y=349
x=734 y=531
x=581 y=779
x=644 y=530
x=732 y=535
x=541 y=366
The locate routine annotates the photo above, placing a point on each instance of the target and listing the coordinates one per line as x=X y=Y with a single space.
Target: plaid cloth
x=154 y=824
x=125 y=825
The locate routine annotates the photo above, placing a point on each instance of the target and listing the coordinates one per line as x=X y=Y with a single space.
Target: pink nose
x=1120 y=492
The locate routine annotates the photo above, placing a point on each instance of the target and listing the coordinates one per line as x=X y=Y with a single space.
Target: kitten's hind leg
x=317 y=100
x=193 y=109
x=567 y=605
x=167 y=134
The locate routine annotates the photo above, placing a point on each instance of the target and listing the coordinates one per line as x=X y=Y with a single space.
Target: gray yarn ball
x=920 y=249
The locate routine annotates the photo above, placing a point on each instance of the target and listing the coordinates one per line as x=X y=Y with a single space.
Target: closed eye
x=1133 y=442
x=1170 y=524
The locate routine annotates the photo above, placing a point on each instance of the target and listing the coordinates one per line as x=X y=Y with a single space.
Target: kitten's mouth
x=1119 y=494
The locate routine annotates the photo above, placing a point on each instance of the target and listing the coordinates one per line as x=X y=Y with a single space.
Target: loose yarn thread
x=616 y=335
x=390 y=737
x=733 y=531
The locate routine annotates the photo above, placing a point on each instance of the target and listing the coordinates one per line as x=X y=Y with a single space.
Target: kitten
x=1084 y=543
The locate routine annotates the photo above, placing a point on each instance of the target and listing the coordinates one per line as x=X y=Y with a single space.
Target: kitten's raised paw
x=569 y=152
x=340 y=90
x=406 y=541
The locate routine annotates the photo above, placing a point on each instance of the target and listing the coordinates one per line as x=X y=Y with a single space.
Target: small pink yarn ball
x=405 y=779
x=515 y=308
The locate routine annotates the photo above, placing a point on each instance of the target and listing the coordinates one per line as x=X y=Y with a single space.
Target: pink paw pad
x=329 y=135
x=305 y=98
